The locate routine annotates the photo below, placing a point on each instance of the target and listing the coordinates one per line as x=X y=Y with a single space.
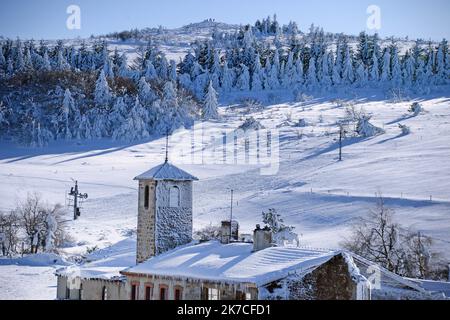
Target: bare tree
x=9 y=233
x=379 y=239
x=376 y=237
x=42 y=224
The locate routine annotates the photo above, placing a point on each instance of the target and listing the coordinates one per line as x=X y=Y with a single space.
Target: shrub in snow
x=365 y=129
x=301 y=123
x=282 y=234
x=405 y=129
x=415 y=108
x=251 y=124
x=207 y=233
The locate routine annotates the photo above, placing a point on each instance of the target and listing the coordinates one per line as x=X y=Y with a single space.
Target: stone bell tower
x=164 y=210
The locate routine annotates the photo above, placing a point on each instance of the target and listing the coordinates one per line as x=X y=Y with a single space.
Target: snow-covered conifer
x=374 y=69
x=210 y=104
x=243 y=81
x=102 y=93
x=396 y=68
x=386 y=67
x=227 y=78
x=257 y=76
x=311 y=79
x=348 y=75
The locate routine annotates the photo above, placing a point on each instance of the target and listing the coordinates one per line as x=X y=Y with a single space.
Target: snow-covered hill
x=315 y=192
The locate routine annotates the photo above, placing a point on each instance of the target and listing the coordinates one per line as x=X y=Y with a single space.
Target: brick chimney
x=262 y=238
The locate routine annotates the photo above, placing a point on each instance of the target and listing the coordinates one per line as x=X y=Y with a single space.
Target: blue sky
x=46 y=19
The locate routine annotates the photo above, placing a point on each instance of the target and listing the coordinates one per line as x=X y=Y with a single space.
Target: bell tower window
x=146 y=197
x=174 y=197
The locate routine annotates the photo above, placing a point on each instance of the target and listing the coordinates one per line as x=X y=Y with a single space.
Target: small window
x=213 y=294
x=178 y=293
x=248 y=296
x=148 y=292
x=162 y=293
x=134 y=291
x=104 y=293
x=146 y=197
x=174 y=197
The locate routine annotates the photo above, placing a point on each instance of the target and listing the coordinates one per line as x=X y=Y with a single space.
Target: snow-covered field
x=315 y=192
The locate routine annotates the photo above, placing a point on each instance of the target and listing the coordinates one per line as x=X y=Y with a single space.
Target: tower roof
x=166 y=171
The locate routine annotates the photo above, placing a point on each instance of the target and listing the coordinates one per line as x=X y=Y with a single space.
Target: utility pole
x=341 y=135
x=231 y=214
x=75 y=194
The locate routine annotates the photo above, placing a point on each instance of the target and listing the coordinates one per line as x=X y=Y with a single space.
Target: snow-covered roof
x=235 y=262
x=105 y=263
x=166 y=171
x=434 y=286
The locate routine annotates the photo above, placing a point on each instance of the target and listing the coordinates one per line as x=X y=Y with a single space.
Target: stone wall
x=173 y=224
x=92 y=289
x=145 y=246
x=330 y=281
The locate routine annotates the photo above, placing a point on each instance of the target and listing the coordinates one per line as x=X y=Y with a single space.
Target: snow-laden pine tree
x=299 y=73
x=386 y=67
x=46 y=65
x=118 y=113
x=336 y=76
x=19 y=61
x=135 y=126
x=84 y=131
x=173 y=70
x=215 y=70
x=150 y=71
x=257 y=76
x=66 y=119
x=348 y=75
x=271 y=81
x=226 y=78
x=289 y=72
x=146 y=94
x=102 y=93
x=311 y=79
x=210 y=104
x=325 y=77
x=40 y=137
x=408 y=71
x=61 y=62
x=2 y=58
x=441 y=71
x=374 y=75
x=243 y=81
x=360 y=75
x=396 y=68
x=124 y=71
